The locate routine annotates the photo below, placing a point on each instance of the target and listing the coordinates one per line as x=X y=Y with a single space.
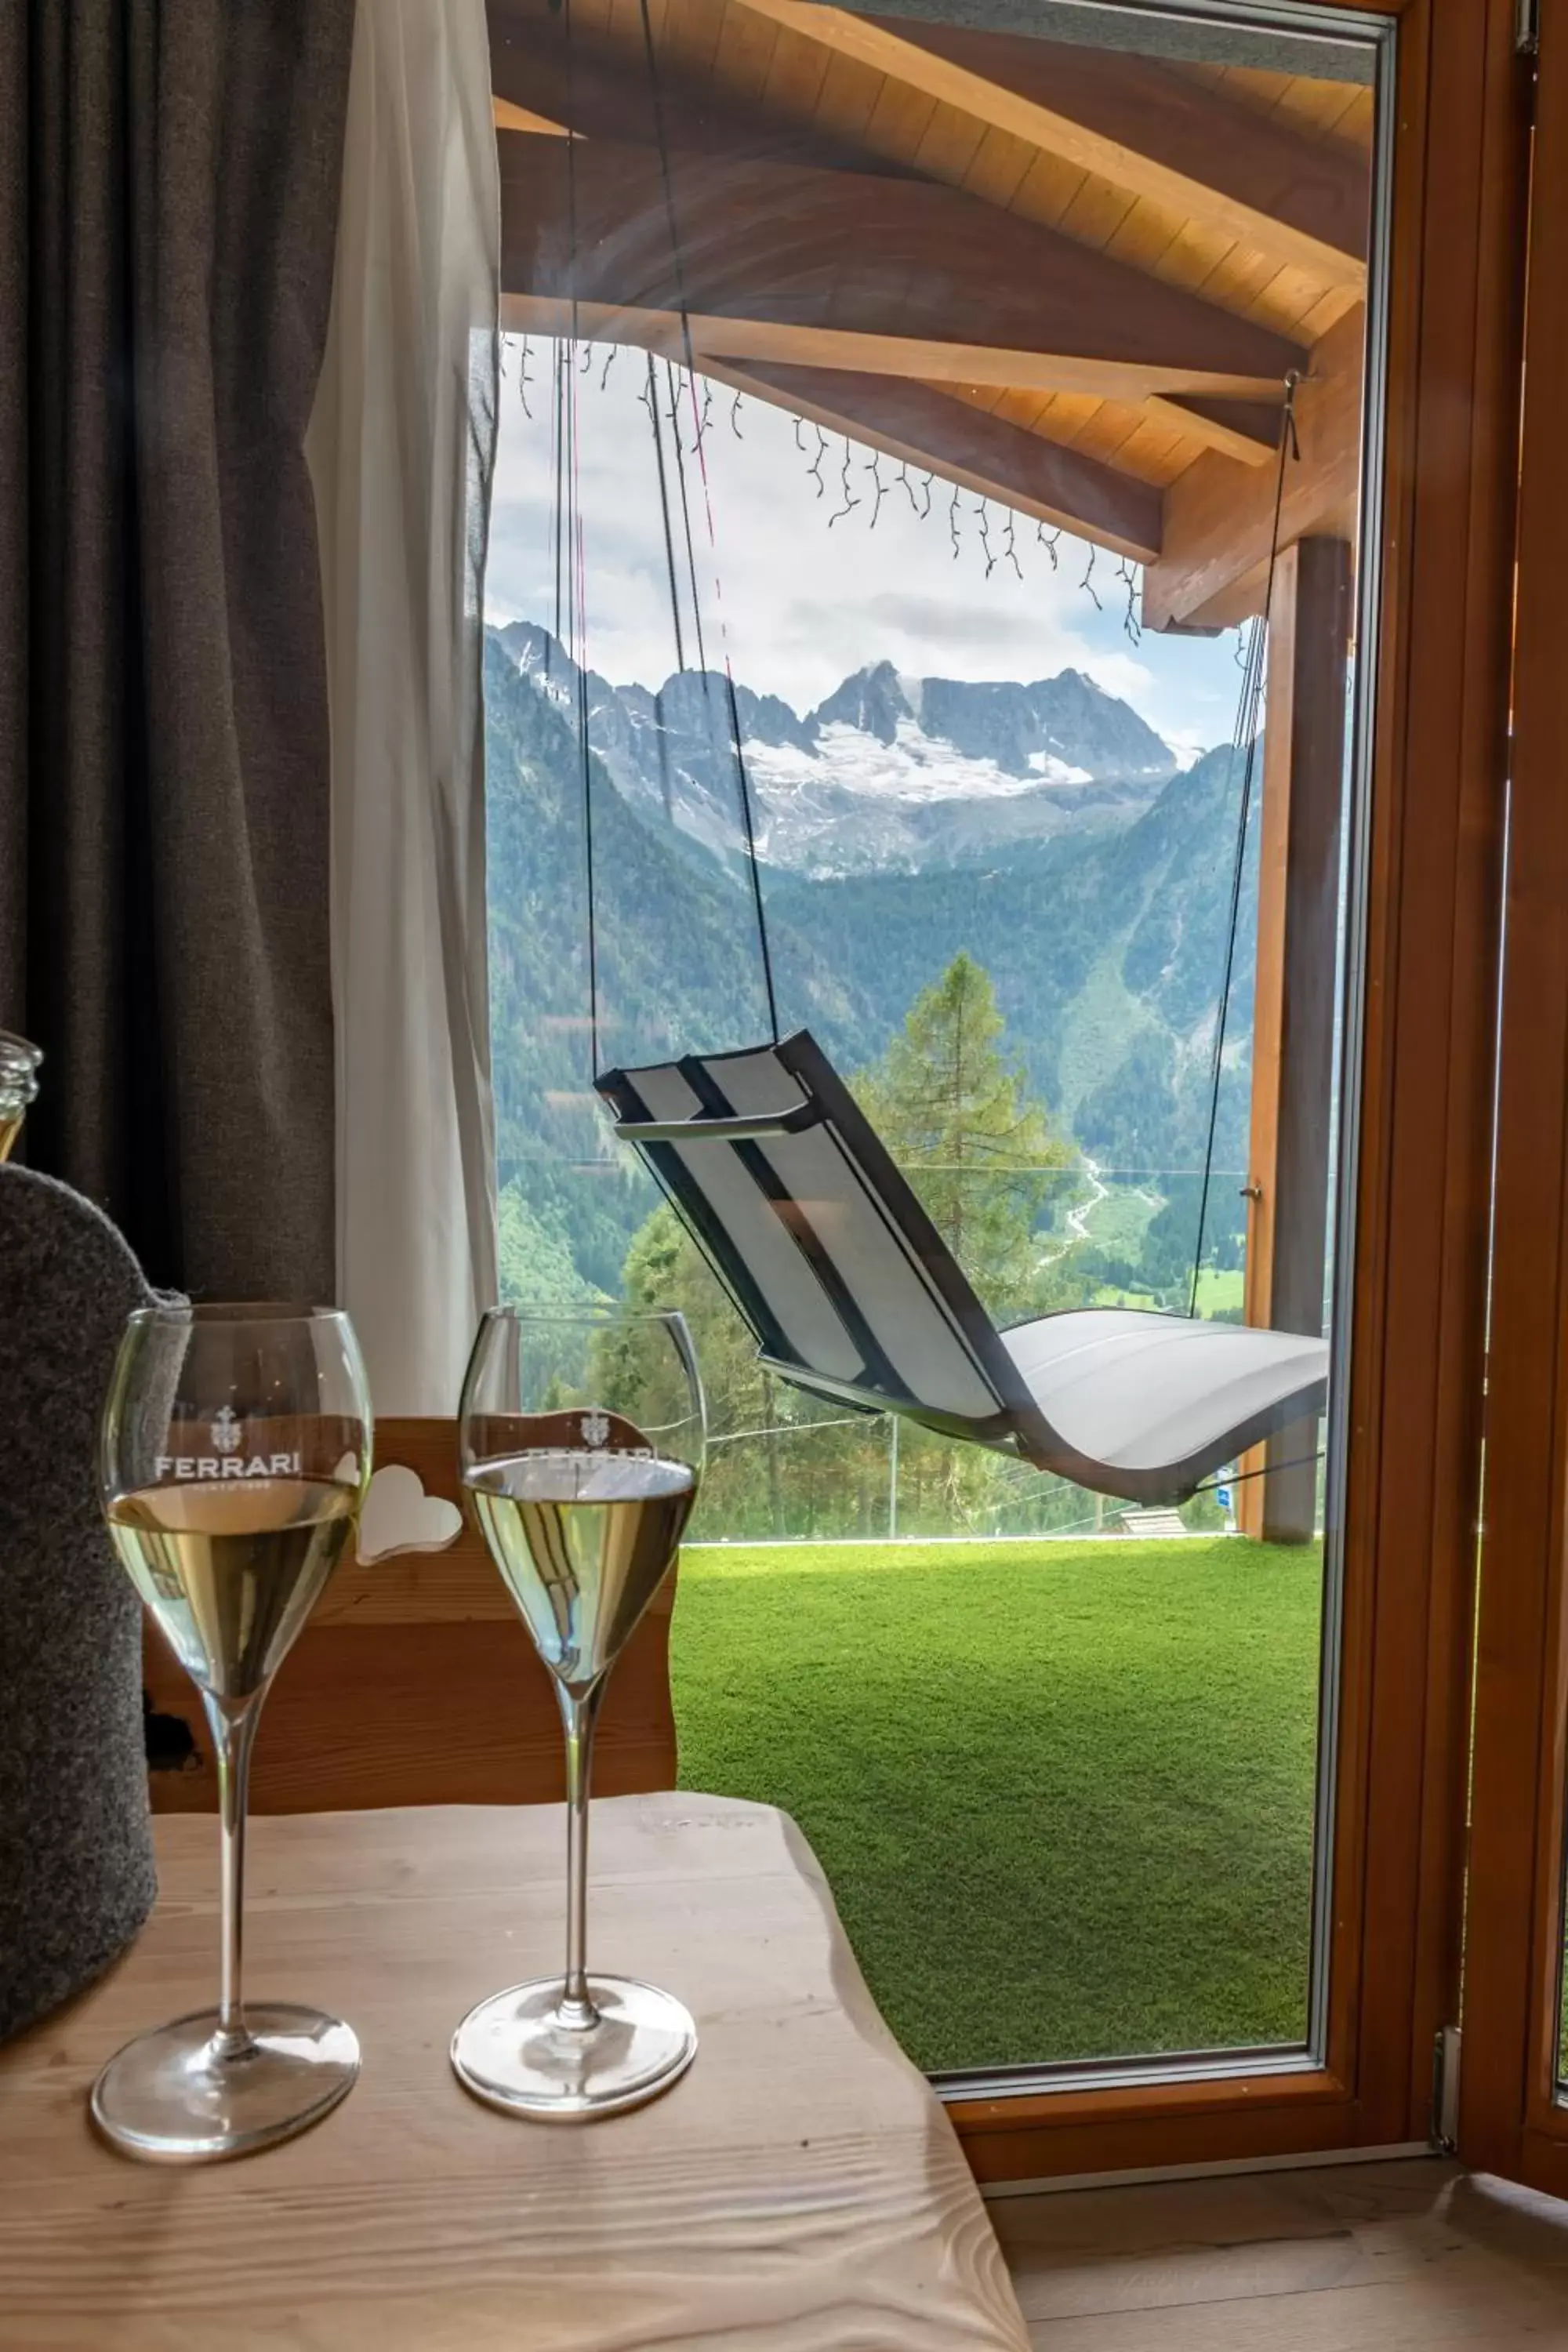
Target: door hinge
x=1446 y=2050
x=1527 y=27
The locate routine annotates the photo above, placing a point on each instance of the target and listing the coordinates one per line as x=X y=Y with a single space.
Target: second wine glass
x=583 y=1434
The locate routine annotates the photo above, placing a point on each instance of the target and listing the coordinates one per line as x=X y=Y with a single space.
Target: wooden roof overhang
x=1070 y=279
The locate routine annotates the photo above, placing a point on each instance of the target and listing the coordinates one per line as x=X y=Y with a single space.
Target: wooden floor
x=1402 y=2257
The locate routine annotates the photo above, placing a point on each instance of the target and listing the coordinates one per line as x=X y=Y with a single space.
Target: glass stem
x=232 y=1736
x=580 y=1716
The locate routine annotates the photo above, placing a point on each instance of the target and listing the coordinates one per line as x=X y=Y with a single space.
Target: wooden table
x=801 y=2191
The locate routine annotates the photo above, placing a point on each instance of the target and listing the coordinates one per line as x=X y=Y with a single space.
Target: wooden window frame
x=1510 y=2119
x=1435 y=825
x=1410 y=1416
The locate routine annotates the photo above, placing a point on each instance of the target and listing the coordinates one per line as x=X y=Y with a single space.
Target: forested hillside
x=1106 y=955
x=677 y=968
x=1105 y=944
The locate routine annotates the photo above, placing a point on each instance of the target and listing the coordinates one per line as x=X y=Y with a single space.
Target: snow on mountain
x=889 y=772
x=913 y=766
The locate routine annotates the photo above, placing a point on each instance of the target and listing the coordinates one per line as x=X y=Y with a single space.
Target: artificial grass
x=1063 y=1791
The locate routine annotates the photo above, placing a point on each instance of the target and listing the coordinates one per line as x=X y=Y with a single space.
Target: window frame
x=1511 y=2118
x=1409 y=1414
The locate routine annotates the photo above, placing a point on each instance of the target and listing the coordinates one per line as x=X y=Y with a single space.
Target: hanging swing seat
x=851 y=1293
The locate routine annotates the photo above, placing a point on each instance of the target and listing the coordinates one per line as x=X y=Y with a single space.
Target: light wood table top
x=801 y=2191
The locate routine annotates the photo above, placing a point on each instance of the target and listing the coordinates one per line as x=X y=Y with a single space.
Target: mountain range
x=889 y=772
x=1043 y=827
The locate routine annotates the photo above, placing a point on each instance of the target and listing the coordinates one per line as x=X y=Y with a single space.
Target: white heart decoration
x=399 y=1516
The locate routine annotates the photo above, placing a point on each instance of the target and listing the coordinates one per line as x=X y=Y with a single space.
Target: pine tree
x=954 y=1112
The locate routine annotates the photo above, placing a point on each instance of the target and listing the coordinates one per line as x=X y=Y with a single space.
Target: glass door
x=1513 y=2073
x=1100 y=419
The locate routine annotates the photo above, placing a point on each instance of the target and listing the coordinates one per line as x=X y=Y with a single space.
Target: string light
x=875 y=471
x=850 y=501
x=918 y=484
x=980 y=510
x=1131 y=621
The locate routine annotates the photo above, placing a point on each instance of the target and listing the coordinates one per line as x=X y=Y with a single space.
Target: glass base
x=172 y=2096
x=515 y=2053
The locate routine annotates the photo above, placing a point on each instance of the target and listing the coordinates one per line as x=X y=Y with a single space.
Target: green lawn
x=1063 y=1790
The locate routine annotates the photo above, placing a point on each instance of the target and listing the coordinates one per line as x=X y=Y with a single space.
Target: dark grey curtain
x=169 y=175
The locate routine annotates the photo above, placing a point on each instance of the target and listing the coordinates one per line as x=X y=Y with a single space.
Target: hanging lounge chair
x=851 y=1293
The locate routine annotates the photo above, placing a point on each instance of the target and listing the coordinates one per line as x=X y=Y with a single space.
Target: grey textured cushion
x=76 y=1848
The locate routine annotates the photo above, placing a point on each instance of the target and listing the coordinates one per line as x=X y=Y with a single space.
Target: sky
x=797 y=598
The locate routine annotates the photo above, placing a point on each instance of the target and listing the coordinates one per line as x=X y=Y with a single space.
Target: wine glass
x=18 y=1086
x=581 y=1437
x=234 y=1455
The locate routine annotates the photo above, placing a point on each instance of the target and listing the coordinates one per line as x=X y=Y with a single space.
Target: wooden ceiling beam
x=1142 y=125
x=1247 y=430
x=1219 y=516
x=866 y=271
x=746 y=341
x=918 y=425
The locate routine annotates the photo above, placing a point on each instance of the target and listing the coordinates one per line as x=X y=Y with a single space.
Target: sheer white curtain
x=401 y=449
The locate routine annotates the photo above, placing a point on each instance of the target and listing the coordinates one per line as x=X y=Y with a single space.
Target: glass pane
x=910 y=419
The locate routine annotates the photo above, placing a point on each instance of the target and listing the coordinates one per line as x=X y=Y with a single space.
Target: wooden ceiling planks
x=852 y=99
x=763 y=246
x=1137 y=123
x=908 y=105
x=840 y=95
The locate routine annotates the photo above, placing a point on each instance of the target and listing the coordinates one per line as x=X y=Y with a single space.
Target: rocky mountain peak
x=873 y=700
x=889 y=772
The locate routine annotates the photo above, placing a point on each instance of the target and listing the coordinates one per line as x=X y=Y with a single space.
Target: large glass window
x=931 y=460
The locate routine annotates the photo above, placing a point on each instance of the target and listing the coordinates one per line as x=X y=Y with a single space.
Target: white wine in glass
x=236 y=1451
x=231 y=1573
x=582 y=1509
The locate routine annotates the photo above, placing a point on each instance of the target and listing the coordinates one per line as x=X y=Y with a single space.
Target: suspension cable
x=1246 y=733
x=737 y=747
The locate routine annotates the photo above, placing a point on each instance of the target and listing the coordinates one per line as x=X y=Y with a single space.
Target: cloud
x=811 y=590
x=1122 y=674
x=953 y=622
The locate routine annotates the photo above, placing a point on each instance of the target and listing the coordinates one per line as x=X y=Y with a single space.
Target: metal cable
x=1246 y=729
x=667 y=183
